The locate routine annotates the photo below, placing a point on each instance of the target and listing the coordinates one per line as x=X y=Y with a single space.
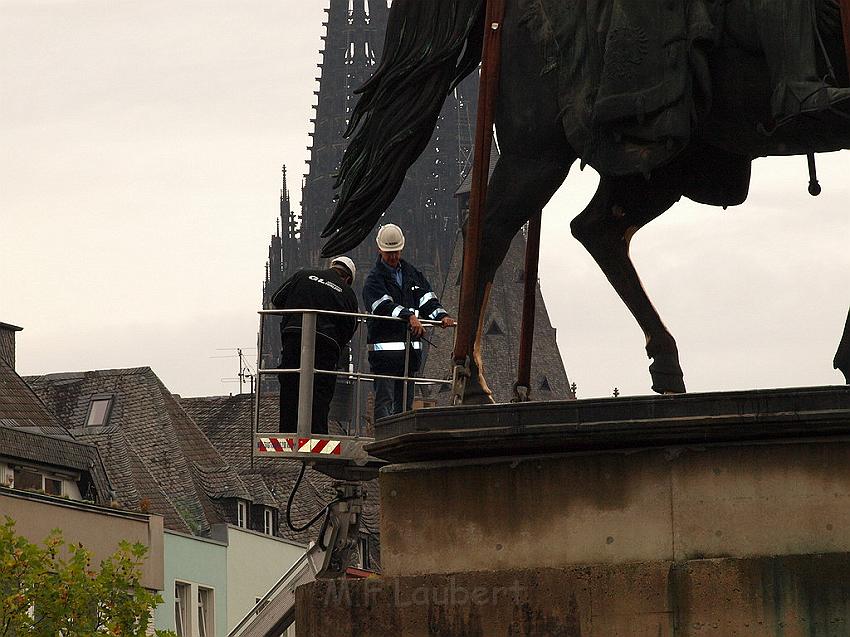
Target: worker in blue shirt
x=396 y=288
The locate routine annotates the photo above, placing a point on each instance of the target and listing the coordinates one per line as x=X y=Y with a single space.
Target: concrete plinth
x=787 y=596
x=713 y=514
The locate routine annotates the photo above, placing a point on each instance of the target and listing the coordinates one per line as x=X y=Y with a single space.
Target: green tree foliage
x=55 y=590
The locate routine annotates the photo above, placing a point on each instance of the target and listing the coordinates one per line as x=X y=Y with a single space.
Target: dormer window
x=268 y=521
x=52 y=486
x=99 y=409
x=242 y=514
x=29 y=479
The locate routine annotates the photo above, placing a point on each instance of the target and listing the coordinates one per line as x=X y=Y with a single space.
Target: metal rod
x=406 y=370
x=418 y=381
x=359 y=383
x=305 y=380
x=376 y=317
x=255 y=421
x=532 y=258
x=489 y=82
x=357 y=388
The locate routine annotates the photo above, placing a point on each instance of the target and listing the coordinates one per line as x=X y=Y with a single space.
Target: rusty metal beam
x=489 y=83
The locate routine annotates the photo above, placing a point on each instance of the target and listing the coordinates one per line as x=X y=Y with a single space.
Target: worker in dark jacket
x=396 y=288
x=321 y=290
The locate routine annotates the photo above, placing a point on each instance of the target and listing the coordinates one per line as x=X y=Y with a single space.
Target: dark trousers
x=389 y=397
x=327 y=357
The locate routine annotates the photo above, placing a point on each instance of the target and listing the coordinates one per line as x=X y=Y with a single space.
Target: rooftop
x=156 y=456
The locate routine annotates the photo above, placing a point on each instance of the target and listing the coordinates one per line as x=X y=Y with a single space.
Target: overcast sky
x=139 y=175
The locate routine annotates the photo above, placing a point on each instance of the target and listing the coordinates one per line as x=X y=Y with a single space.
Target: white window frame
x=109 y=399
x=45 y=476
x=194 y=616
x=242 y=514
x=182 y=616
x=268 y=521
x=363 y=549
x=205 y=603
x=61 y=482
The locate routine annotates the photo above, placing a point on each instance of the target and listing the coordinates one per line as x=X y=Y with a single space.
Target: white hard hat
x=390 y=238
x=347 y=263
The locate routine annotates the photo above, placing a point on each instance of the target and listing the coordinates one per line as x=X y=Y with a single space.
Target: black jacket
x=320 y=290
x=383 y=296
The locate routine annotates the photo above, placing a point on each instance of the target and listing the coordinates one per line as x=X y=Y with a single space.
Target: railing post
x=306 y=373
x=358 y=383
x=255 y=421
x=406 y=371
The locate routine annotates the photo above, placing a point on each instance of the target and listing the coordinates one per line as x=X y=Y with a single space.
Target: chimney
x=7 y=343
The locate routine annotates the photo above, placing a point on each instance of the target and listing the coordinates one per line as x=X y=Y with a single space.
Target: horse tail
x=430 y=46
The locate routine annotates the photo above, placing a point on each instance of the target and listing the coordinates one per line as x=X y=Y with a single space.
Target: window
x=205 y=612
x=52 y=486
x=34 y=480
x=27 y=479
x=181 y=609
x=363 y=544
x=99 y=411
x=268 y=522
x=241 y=514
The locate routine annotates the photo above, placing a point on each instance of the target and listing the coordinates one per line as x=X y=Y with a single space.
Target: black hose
x=315 y=518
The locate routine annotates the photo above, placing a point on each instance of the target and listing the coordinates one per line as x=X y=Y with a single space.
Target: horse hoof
x=842 y=365
x=477 y=393
x=667 y=379
x=478 y=399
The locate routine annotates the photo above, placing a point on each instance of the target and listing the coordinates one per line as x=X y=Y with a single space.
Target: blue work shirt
x=395 y=272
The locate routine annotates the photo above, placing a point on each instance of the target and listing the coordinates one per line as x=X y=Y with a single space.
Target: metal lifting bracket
x=336 y=546
x=460 y=376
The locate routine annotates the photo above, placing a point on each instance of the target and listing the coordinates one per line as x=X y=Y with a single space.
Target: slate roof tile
x=154 y=451
x=28 y=431
x=19 y=405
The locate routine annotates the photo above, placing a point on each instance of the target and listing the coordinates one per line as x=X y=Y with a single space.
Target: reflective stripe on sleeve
x=392 y=347
x=433 y=316
x=375 y=305
x=426 y=297
x=397 y=310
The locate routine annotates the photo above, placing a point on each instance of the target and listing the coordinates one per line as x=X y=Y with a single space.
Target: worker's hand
x=416 y=327
x=447 y=321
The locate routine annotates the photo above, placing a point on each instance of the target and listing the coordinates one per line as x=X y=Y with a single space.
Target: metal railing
x=307 y=368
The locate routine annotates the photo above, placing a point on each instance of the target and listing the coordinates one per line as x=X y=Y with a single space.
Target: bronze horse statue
x=664 y=98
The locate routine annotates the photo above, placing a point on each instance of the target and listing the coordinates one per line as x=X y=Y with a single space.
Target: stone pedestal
x=713 y=514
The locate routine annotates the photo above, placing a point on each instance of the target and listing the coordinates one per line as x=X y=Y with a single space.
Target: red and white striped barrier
x=318 y=446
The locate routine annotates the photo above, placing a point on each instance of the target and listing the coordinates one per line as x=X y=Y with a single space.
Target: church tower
x=283 y=257
x=425 y=208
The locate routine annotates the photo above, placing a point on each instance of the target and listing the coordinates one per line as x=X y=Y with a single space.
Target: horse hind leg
x=842 y=356
x=521 y=185
x=535 y=159
x=620 y=207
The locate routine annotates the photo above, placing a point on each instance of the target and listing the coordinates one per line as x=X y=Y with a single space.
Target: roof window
x=99 y=409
